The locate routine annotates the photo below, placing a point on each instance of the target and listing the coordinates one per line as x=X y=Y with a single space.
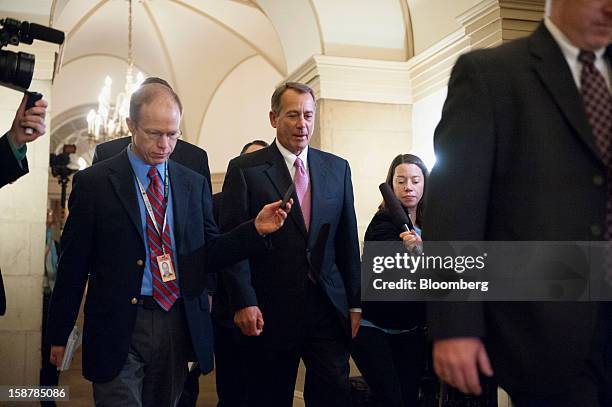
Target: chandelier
x=108 y=121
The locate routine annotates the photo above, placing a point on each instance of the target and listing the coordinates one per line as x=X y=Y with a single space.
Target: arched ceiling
x=199 y=45
x=191 y=43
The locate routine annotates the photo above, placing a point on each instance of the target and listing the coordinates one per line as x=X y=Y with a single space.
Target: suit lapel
x=319 y=173
x=122 y=180
x=280 y=178
x=180 y=198
x=547 y=59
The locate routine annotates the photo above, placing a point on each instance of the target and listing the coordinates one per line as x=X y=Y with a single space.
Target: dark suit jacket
x=103 y=238
x=276 y=280
x=390 y=314
x=187 y=154
x=9 y=167
x=516 y=160
x=9 y=172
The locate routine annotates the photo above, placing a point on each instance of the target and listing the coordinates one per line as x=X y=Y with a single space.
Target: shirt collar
x=570 y=51
x=141 y=168
x=290 y=157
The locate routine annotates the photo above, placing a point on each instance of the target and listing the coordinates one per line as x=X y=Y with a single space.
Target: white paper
x=73 y=343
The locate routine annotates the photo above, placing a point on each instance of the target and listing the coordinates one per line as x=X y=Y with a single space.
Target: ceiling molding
x=163 y=46
x=431 y=69
x=101 y=54
x=214 y=92
x=319 y=27
x=405 y=82
x=281 y=70
x=354 y=79
x=75 y=28
x=409 y=33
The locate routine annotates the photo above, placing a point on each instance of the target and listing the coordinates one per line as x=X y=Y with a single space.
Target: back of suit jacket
x=276 y=280
x=516 y=161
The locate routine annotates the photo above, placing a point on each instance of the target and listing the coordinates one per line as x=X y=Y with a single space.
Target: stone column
x=364 y=116
x=23 y=207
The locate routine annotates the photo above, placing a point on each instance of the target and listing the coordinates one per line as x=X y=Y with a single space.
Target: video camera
x=17 y=68
x=62 y=167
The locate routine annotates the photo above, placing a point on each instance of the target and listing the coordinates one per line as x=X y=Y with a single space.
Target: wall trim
x=355 y=79
x=431 y=69
x=376 y=81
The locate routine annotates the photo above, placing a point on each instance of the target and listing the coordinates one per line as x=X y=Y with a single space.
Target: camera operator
x=13 y=161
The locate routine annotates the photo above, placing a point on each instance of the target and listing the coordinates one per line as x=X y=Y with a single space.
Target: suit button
x=134 y=301
x=140 y=263
x=598 y=180
x=595 y=230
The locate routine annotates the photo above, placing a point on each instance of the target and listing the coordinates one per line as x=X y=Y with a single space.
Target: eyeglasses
x=157 y=135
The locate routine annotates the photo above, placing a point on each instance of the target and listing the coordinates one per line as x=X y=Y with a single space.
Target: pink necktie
x=302 y=188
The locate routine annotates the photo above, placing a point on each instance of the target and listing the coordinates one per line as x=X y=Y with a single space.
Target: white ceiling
x=200 y=45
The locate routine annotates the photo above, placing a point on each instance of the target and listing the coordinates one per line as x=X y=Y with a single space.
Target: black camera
x=60 y=164
x=17 y=68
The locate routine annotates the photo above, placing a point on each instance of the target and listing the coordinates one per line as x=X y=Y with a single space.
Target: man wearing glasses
x=132 y=216
x=189 y=155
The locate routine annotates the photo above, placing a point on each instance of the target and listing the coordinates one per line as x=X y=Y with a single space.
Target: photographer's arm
x=13 y=163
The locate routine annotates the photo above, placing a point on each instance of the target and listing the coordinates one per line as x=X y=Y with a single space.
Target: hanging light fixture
x=108 y=121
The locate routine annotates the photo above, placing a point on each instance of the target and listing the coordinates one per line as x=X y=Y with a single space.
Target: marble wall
x=23 y=206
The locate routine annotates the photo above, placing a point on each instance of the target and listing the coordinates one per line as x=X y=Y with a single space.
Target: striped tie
x=165 y=293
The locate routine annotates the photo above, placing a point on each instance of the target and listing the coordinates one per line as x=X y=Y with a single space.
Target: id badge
x=165 y=268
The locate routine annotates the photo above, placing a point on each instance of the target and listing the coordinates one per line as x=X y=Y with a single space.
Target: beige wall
x=22 y=217
x=368 y=135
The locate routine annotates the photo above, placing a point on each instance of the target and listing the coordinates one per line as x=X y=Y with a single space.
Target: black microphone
x=33 y=31
x=394 y=206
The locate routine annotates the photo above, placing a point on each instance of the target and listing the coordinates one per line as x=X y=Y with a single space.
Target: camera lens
x=16 y=68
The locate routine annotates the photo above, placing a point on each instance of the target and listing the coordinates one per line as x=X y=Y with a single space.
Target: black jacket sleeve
x=10 y=169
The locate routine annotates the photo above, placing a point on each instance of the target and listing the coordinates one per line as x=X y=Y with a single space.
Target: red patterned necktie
x=302 y=189
x=598 y=106
x=597 y=103
x=165 y=293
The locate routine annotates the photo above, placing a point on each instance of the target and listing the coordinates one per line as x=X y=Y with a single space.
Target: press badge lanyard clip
x=164 y=261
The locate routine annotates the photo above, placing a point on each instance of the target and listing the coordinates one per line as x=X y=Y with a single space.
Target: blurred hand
x=249 y=320
x=272 y=217
x=457 y=361
x=355 y=323
x=34 y=118
x=412 y=241
x=57 y=355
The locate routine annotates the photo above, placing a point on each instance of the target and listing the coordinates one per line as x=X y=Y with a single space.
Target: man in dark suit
x=230 y=367
x=520 y=156
x=13 y=160
x=130 y=215
x=293 y=302
x=196 y=159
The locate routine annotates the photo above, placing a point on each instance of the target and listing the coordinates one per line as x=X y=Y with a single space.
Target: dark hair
x=275 y=103
x=253 y=143
x=408 y=159
x=149 y=90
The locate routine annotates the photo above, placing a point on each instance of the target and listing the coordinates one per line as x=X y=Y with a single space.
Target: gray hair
x=275 y=103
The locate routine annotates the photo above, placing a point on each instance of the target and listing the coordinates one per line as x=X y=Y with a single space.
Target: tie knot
x=152 y=174
x=586 y=57
x=298 y=163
